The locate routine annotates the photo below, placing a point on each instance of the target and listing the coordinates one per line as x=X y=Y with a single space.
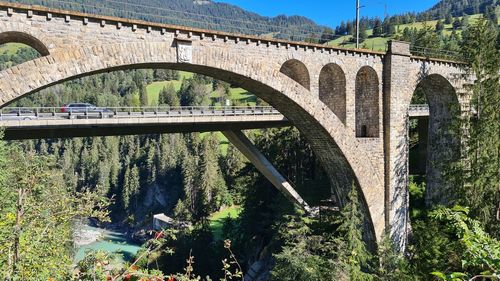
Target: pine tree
x=143 y=94
x=189 y=176
x=393 y=265
x=300 y=257
x=448 y=19
x=362 y=34
x=377 y=28
x=439 y=26
x=212 y=188
x=131 y=188
x=168 y=96
x=482 y=193
x=490 y=14
x=151 y=163
x=457 y=24
x=126 y=194
x=352 y=257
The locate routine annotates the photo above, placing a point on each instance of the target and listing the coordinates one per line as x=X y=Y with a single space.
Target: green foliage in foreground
x=36 y=215
x=480 y=172
x=335 y=255
x=479 y=254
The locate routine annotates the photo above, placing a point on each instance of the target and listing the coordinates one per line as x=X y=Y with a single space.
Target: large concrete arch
x=367 y=103
x=334 y=144
x=443 y=143
x=332 y=89
x=297 y=71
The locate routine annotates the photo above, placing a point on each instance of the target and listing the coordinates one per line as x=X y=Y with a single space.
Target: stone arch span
x=332 y=89
x=367 y=103
x=338 y=151
x=443 y=145
x=298 y=71
x=24 y=38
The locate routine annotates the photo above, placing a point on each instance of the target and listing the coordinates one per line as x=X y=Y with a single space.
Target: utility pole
x=357 y=24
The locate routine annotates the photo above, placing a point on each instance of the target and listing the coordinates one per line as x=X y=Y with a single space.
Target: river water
x=94 y=238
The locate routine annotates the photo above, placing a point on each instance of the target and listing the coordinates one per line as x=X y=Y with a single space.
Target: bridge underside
x=109 y=129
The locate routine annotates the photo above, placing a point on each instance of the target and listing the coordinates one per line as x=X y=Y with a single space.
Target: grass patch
x=11 y=48
x=155 y=88
x=380 y=43
x=223 y=141
x=374 y=44
x=217 y=220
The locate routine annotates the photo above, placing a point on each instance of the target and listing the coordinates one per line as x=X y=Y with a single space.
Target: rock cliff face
x=259 y=271
x=157 y=199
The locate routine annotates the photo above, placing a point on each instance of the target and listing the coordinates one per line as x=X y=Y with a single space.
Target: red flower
x=159 y=235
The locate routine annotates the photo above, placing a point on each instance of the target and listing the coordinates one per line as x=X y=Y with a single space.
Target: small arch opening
x=17 y=48
x=367 y=103
x=332 y=89
x=26 y=39
x=298 y=71
x=434 y=144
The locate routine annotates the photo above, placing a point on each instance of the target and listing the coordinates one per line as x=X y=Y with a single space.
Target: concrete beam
x=245 y=146
x=64 y=128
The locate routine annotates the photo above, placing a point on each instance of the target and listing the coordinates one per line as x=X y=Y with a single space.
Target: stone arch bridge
x=351 y=105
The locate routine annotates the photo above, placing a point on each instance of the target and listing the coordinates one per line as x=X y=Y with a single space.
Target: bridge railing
x=435 y=53
x=49 y=113
x=419 y=107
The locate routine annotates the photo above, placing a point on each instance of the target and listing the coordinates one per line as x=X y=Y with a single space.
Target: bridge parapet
x=179 y=31
x=189 y=32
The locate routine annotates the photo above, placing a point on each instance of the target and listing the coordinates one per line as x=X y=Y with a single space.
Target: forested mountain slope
x=202 y=14
x=459 y=8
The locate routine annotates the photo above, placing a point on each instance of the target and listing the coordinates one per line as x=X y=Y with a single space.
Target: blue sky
x=330 y=12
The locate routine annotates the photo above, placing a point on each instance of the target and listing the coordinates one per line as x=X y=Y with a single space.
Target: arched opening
x=297 y=71
x=26 y=39
x=17 y=48
x=332 y=89
x=435 y=142
x=328 y=148
x=367 y=103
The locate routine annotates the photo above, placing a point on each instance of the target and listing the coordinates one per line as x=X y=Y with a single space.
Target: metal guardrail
x=418 y=110
x=435 y=53
x=419 y=107
x=51 y=113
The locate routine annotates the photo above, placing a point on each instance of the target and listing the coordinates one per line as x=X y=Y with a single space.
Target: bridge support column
x=397 y=93
x=423 y=142
x=245 y=146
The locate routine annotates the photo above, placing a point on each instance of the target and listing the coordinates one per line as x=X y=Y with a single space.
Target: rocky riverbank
x=83 y=235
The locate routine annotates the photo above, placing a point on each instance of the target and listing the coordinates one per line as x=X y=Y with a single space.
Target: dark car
x=19 y=114
x=86 y=110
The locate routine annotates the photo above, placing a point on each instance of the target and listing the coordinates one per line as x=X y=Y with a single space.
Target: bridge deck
x=418 y=110
x=47 y=123
x=35 y=123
